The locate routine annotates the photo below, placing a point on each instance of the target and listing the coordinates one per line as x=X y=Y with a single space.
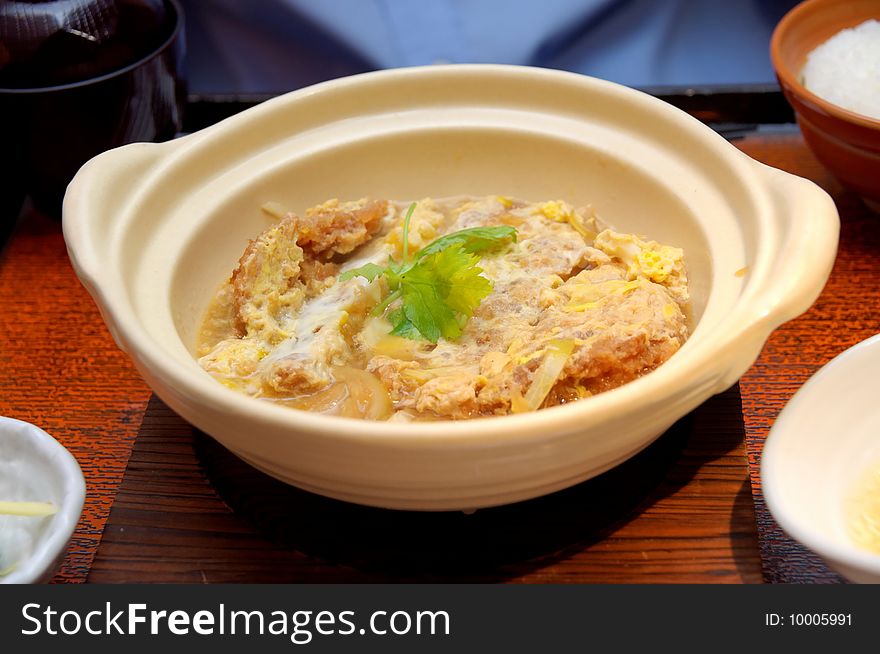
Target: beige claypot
x=153 y=230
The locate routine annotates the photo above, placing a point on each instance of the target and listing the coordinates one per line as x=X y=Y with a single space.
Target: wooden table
x=167 y=504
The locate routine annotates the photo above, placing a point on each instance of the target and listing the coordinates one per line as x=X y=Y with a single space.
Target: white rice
x=845 y=70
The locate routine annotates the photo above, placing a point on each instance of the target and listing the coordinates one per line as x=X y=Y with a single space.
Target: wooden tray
x=680 y=511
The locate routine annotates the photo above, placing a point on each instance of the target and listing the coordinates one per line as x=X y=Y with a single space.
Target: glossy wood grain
x=848 y=311
x=680 y=511
x=60 y=370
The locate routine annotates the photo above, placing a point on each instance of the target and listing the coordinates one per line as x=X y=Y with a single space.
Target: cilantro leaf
x=441 y=287
x=368 y=271
x=473 y=239
x=402 y=326
x=424 y=307
x=438 y=293
x=457 y=277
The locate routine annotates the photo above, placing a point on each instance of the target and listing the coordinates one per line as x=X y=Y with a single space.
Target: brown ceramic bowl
x=847 y=143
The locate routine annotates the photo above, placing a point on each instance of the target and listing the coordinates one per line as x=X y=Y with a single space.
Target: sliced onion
x=377 y=339
x=274 y=209
x=558 y=351
x=329 y=400
x=517 y=401
x=8 y=570
x=575 y=221
x=368 y=397
x=30 y=509
x=354 y=393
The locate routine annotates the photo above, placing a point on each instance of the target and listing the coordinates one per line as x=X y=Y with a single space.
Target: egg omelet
x=575 y=309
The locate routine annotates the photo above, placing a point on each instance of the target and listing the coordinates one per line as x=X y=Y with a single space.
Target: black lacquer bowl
x=68 y=94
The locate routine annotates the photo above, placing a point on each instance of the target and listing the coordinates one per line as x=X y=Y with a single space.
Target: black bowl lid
x=53 y=42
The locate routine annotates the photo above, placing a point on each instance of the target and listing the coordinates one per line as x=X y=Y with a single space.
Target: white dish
x=153 y=230
x=822 y=443
x=34 y=467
